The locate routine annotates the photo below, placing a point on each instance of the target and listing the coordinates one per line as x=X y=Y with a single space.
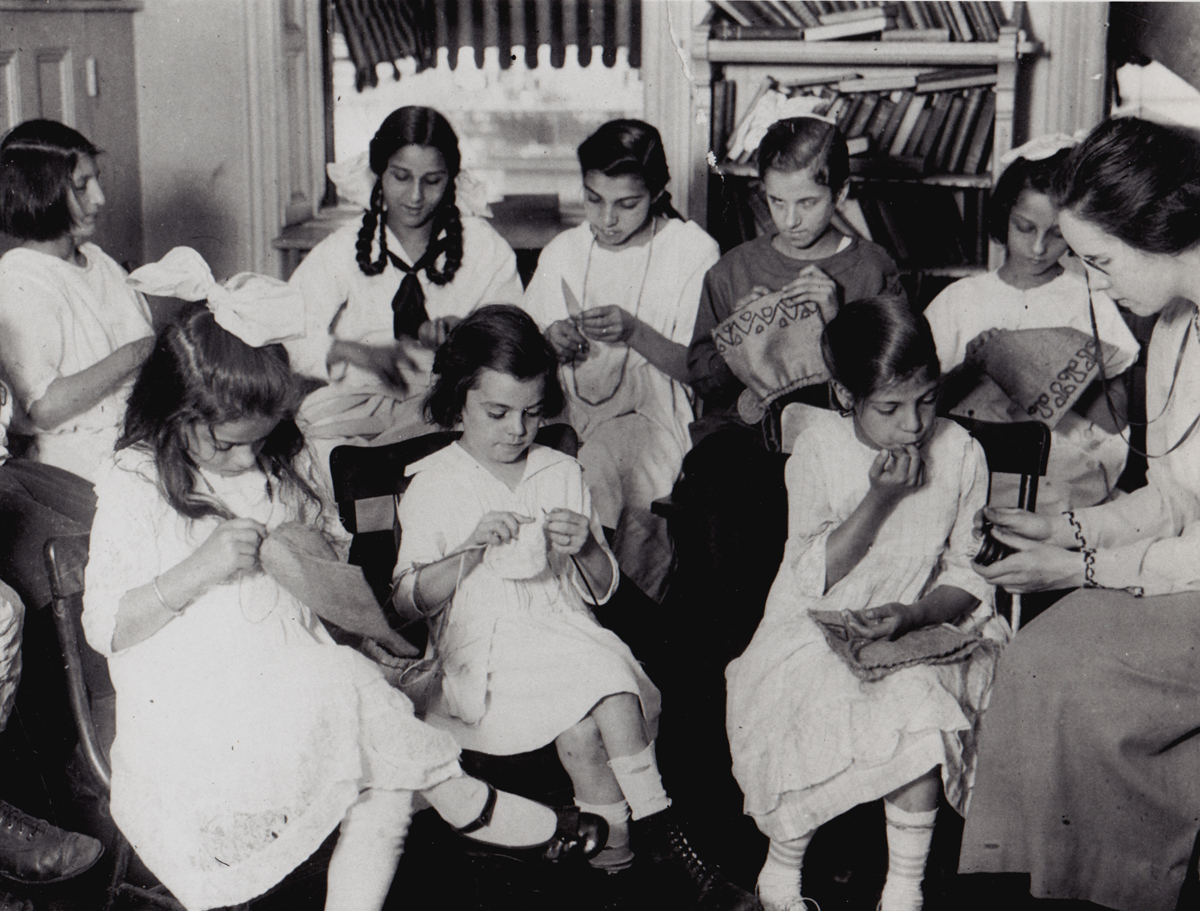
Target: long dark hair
x=1137 y=181
x=874 y=342
x=1021 y=175
x=631 y=147
x=200 y=374
x=37 y=164
x=419 y=127
x=499 y=337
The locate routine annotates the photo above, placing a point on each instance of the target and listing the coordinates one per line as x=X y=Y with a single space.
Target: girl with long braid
x=380 y=297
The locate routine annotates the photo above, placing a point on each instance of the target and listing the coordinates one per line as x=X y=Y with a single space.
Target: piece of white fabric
x=524 y=659
x=369 y=845
x=1085 y=459
x=633 y=444
x=244 y=733
x=809 y=739
x=12 y=624
x=56 y=319
x=340 y=302
x=780 y=881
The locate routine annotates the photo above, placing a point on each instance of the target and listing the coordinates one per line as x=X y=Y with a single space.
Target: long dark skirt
x=1089 y=755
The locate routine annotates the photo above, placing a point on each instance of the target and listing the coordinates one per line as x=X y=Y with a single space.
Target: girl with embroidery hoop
x=380 y=296
x=617 y=298
x=1089 y=772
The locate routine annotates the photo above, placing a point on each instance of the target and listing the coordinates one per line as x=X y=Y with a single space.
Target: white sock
x=779 y=880
x=640 y=782
x=368 y=849
x=616 y=854
x=908 y=836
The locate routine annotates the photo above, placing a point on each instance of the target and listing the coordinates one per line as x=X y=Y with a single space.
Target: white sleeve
x=1113 y=329
x=689 y=295
x=543 y=298
x=962 y=545
x=32 y=334
x=945 y=314
x=322 y=280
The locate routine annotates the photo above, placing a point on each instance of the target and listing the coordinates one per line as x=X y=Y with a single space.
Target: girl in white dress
x=617 y=297
x=72 y=333
x=505 y=530
x=379 y=297
x=881 y=503
x=245 y=735
x=1033 y=290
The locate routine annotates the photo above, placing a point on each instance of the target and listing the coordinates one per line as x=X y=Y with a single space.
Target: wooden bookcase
x=747 y=62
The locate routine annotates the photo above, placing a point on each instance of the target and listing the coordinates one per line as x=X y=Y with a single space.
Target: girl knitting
x=380 y=296
x=1033 y=290
x=72 y=333
x=504 y=529
x=617 y=299
x=245 y=735
x=881 y=502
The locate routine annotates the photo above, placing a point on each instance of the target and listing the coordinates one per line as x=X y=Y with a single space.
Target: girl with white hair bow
x=245 y=735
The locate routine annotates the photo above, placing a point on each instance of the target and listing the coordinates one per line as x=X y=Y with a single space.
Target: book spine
x=847 y=29
x=730 y=10
x=903 y=100
x=907 y=126
x=940 y=154
x=977 y=154
x=966 y=126
x=910 y=147
x=933 y=129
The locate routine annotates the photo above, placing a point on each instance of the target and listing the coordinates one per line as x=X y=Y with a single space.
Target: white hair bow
x=355 y=181
x=258 y=309
x=1039 y=148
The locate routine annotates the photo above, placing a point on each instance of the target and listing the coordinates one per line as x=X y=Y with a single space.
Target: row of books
x=828 y=20
x=919 y=123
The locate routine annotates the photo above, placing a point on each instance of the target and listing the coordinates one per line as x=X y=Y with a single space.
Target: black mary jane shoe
x=578 y=836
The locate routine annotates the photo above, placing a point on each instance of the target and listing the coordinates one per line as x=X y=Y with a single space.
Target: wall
x=194 y=130
x=1063 y=89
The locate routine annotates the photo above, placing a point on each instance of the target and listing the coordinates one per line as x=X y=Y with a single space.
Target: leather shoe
x=34 y=851
x=577 y=836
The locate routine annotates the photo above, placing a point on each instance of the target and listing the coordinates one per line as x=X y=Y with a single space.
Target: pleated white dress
x=244 y=733
x=809 y=739
x=525 y=659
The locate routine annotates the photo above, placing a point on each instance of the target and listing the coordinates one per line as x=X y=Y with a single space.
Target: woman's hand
x=1018 y=528
x=1040 y=567
x=432 y=333
x=608 y=324
x=813 y=286
x=384 y=361
x=895 y=474
x=975 y=345
x=567 y=341
x=888 y=621
x=231 y=549
x=497 y=528
x=567 y=531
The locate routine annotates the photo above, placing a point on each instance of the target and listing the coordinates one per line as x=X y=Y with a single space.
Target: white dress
x=1085 y=459
x=340 y=302
x=809 y=739
x=524 y=659
x=244 y=733
x=635 y=441
x=56 y=319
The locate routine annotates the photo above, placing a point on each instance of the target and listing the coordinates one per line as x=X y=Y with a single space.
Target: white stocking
x=368 y=849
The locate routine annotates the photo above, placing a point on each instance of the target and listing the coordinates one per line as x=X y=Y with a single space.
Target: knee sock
x=616 y=854
x=638 y=778
x=779 y=880
x=908 y=836
x=368 y=848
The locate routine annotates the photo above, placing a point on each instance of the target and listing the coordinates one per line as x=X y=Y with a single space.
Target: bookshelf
x=746 y=62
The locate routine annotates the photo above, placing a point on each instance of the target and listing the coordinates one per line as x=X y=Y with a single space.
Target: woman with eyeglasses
x=1089 y=768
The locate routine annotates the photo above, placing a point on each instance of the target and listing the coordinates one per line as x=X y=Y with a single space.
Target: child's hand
x=498 y=528
x=813 y=286
x=231 y=549
x=975 y=345
x=433 y=332
x=567 y=341
x=756 y=293
x=607 y=324
x=888 y=621
x=567 y=531
x=895 y=474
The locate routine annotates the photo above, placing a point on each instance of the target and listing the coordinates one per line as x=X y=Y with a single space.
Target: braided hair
x=420 y=127
x=631 y=147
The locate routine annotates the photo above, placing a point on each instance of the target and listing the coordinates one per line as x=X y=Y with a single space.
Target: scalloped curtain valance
x=379 y=31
